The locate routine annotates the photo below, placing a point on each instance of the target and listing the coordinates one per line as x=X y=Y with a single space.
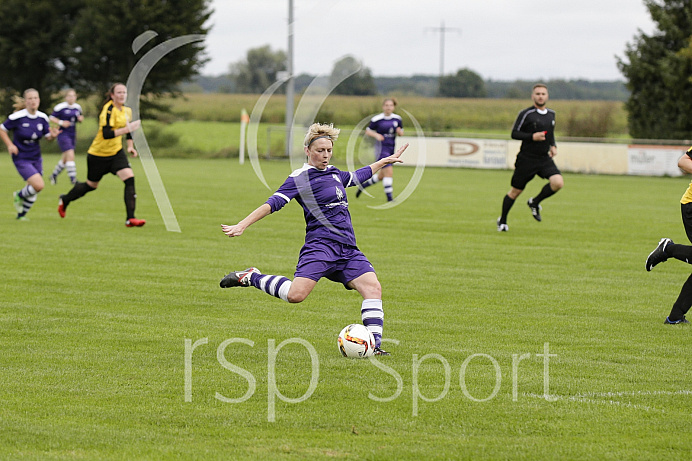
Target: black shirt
x=529 y=121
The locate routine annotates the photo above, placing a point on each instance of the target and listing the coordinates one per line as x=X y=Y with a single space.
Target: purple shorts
x=384 y=153
x=28 y=168
x=66 y=141
x=333 y=260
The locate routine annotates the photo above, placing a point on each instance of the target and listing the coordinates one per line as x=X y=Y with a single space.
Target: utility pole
x=290 y=84
x=443 y=30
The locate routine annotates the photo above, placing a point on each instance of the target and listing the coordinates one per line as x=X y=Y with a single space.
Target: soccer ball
x=356 y=341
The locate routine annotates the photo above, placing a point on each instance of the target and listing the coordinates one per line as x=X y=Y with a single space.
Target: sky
x=498 y=39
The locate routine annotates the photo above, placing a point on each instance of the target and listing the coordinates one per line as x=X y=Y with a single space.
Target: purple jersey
x=322 y=194
x=69 y=112
x=386 y=126
x=27 y=129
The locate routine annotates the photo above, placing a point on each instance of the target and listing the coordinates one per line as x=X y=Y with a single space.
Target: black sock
x=680 y=252
x=130 y=197
x=683 y=303
x=544 y=194
x=79 y=190
x=506 y=206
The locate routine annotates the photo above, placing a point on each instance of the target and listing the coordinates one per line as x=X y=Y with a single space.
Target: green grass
x=95 y=316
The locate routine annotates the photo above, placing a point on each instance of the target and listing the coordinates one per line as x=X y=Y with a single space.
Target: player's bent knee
x=371 y=291
x=557 y=184
x=294 y=298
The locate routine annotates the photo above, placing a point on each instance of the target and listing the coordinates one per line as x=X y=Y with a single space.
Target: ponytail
x=19 y=102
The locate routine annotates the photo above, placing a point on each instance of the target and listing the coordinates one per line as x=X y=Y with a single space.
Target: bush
x=597 y=122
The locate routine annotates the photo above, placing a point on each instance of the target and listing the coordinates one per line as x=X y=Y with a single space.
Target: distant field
x=95 y=319
x=434 y=114
x=208 y=125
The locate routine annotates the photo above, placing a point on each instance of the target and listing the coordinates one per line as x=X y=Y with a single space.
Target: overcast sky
x=498 y=39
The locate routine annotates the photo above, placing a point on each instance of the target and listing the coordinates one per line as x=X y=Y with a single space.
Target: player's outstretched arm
x=394 y=158
x=237 y=230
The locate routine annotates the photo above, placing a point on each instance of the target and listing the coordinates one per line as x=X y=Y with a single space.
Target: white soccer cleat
x=239 y=278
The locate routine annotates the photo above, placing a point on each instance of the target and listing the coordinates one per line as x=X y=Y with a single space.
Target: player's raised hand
x=232 y=231
x=394 y=158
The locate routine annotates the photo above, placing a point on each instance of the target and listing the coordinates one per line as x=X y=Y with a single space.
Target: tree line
x=263 y=66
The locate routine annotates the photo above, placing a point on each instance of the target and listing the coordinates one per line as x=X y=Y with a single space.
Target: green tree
x=259 y=69
x=32 y=37
x=97 y=60
x=87 y=45
x=465 y=84
x=361 y=83
x=658 y=69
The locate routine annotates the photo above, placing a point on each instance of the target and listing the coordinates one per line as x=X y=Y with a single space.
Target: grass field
x=95 y=319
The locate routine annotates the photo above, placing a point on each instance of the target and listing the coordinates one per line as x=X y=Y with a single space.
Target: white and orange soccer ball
x=356 y=341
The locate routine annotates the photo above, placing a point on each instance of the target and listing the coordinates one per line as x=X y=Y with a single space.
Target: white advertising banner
x=654 y=160
x=577 y=157
x=461 y=152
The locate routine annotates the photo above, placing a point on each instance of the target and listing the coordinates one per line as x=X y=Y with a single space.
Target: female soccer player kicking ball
x=330 y=243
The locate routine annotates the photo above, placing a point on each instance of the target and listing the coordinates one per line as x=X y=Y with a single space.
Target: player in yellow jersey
x=106 y=154
x=668 y=249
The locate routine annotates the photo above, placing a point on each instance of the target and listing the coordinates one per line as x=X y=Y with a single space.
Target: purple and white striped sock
x=27 y=191
x=275 y=285
x=373 y=318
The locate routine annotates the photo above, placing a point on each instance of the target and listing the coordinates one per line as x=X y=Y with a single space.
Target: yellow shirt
x=687 y=196
x=115 y=118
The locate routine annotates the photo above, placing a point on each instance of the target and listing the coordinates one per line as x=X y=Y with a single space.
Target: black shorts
x=97 y=166
x=526 y=168
x=686 y=209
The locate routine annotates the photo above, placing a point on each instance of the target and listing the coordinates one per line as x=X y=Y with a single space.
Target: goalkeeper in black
x=535 y=128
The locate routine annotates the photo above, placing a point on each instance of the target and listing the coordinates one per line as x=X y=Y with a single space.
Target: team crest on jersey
x=339 y=194
x=40 y=127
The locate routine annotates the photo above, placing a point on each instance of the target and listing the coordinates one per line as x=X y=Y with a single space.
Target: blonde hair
x=318 y=130
x=19 y=102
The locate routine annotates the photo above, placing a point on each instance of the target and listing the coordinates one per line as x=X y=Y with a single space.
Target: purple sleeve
x=363 y=174
x=55 y=114
x=373 y=125
x=283 y=195
x=9 y=124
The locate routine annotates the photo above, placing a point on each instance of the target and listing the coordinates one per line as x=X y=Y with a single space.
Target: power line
x=442 y=30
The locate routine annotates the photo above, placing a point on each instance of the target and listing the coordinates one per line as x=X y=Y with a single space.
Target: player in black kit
x=535 y=128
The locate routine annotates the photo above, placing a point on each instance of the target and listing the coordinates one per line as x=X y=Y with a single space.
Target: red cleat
x=61 y=208
x=135 y=222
